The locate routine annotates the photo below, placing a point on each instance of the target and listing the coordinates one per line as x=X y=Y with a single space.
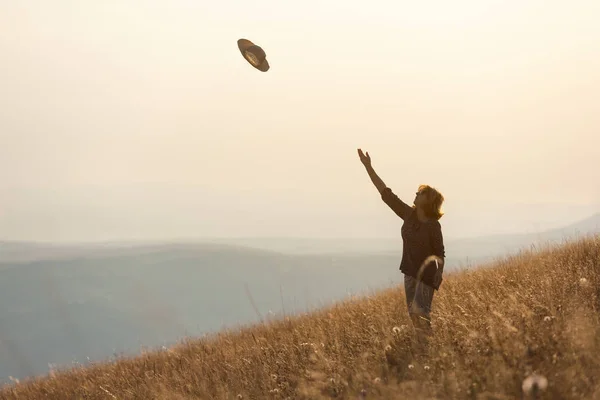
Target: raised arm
x=366 y=160
x=398 y=206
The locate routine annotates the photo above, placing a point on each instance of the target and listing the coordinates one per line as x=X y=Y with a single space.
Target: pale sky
x=140 y=119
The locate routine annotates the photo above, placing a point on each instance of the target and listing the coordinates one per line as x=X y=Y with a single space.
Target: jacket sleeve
x=398 y=206
x=437 y=240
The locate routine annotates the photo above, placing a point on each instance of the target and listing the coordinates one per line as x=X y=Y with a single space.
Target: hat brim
x=245 y=44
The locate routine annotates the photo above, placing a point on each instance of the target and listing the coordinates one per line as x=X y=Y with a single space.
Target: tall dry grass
x=532 y=317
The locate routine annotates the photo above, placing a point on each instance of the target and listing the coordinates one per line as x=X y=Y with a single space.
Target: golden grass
x=529 y=315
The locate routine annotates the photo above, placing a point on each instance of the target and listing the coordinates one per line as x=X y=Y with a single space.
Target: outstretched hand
x=365 y=159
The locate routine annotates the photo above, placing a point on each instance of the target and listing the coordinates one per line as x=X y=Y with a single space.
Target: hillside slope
x=92 y=305
x=533 y=313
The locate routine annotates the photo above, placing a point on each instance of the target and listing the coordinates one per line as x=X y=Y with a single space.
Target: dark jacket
x=419 y=239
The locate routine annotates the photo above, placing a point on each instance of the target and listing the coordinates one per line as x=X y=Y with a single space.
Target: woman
x=422 y=245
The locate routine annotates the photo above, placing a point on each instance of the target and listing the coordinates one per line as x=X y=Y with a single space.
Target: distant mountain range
x=65 y=303
x=458 y=250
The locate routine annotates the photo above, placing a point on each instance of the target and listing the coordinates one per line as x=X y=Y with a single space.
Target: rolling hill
x=525 y=327
x=61 y=304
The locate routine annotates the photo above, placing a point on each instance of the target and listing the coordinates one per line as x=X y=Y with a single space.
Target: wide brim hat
x=254 y=54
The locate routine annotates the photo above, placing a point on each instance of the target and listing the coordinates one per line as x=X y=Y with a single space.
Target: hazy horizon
x=141 y=120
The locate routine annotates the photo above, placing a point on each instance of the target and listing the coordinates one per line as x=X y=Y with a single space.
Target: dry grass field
x=529 y=321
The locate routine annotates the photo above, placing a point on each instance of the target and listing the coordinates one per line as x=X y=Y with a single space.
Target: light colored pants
x=419 y=297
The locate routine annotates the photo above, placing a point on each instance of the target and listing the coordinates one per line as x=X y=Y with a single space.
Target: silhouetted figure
x=423 y=245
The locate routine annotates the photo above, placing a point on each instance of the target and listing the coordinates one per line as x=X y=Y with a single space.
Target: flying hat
x=254 y=54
